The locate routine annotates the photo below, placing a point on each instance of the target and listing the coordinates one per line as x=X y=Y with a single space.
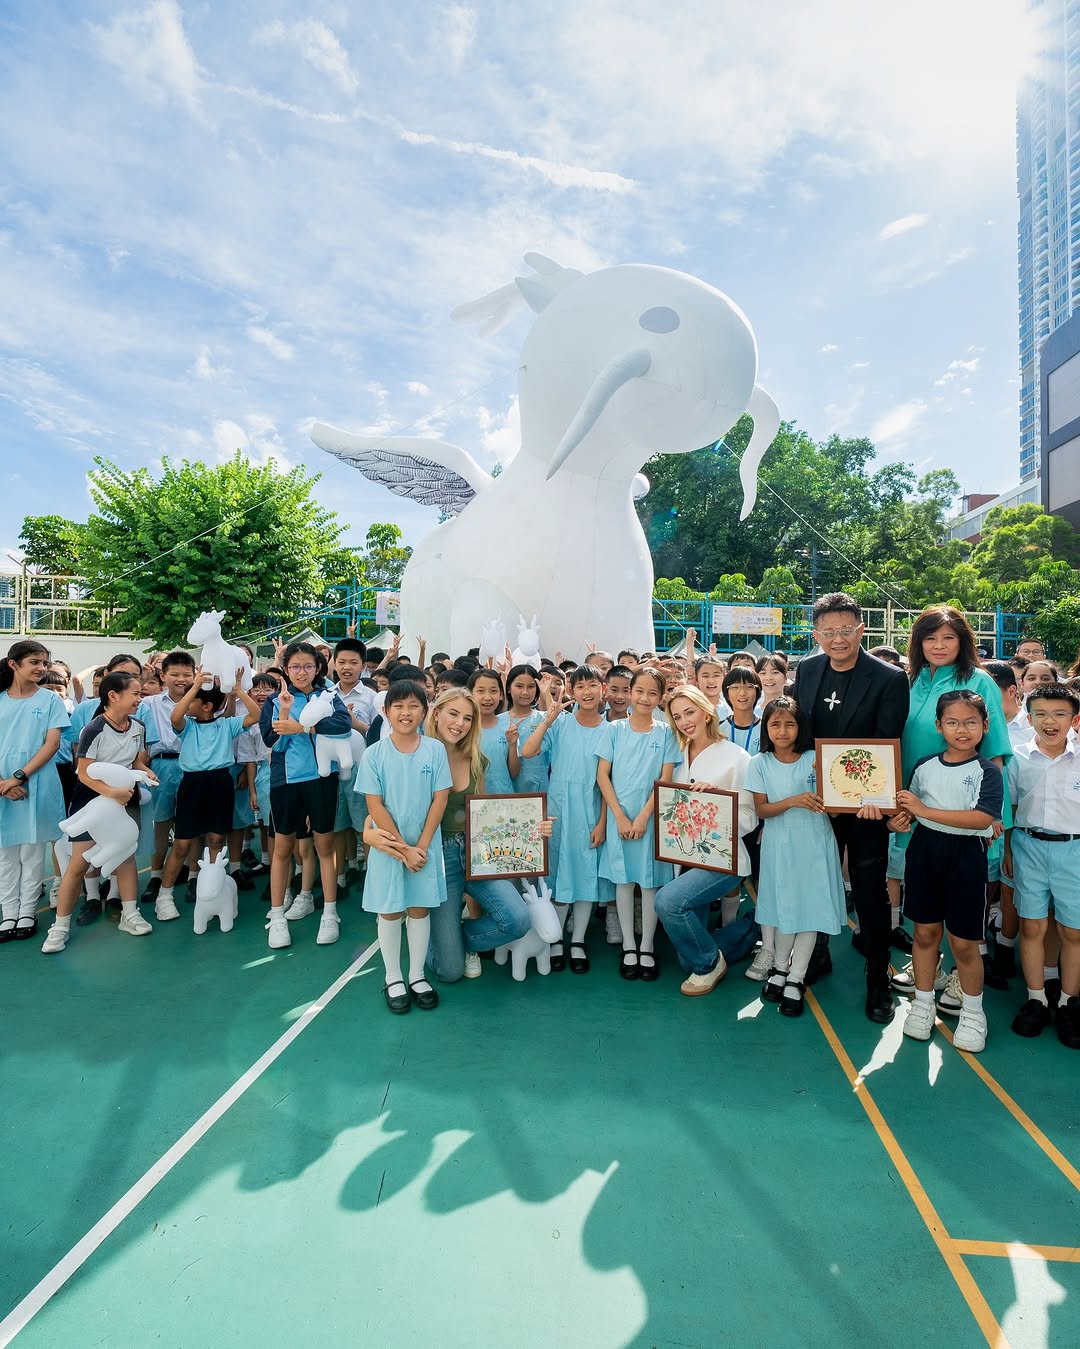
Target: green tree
x=732 y=589
x=384 y=559
x=1058 y=627
x=1018 y=539
x=234 y=536
x=779 y=586
x=52 y=544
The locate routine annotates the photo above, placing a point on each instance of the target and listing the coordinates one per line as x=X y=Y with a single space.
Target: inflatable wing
x=427 y=471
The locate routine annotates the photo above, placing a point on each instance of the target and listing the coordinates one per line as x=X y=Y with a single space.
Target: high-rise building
x=1048 y=185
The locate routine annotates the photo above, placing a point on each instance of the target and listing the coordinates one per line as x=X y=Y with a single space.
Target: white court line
x=50 y=1285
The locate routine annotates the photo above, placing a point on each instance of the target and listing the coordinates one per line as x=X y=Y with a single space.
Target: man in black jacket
x=849 y=694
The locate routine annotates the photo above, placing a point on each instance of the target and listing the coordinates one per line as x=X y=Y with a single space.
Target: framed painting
x=502 y=837
x=856 y=773
x=696 y=828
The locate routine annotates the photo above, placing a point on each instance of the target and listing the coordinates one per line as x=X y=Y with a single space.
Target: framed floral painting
x=856 y=773
x=695 y=827
x=502 y=836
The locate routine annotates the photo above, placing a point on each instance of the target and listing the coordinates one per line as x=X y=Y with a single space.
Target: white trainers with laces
x=55 y=940
x=970 y=1033
x=612 y=926
x=134 y=924
x=759 y=967
x=302 y=905
x=165 y=910
x=951 y=997
x=919 y=1024
x=329 y=929
x=473 y=967
x=278 y=929
x=695 y=985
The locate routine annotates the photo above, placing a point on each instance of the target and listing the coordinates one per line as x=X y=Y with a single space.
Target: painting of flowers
x=858 y=773
x=695 y=827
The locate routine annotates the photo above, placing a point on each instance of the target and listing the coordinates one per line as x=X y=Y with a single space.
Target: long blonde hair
x=695 y=696
x=469 y=745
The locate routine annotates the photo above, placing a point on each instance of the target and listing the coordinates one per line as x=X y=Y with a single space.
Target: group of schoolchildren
x=238 y=772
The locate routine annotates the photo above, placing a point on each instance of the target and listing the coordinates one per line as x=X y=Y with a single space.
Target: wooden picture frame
x=872 y=769
x=693 y=827
x=502 y=836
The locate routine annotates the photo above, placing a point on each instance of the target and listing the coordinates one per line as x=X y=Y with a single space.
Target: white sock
x=155 y=875
x=166 y=892
x=560 y=909
x=925 y=995
x=801 y=951
x=895 y=915
x=390 y=947
x=264 y=858
x=1049 y=972
x=129 y=908
x=63 y=922
x=624 y=903
x=306 y=894
x=234 y=867
x=973 y=1002
x=582 y=913
x=418 y=934
x=648 y=919
x=785 y=941
x=729 y=907
x=329 y=908
x=1007 y=942
x=1063 y=999
x=1038 y=995
x=93 y=887
x=341 y=882
x=983 y=949
x=768 y=940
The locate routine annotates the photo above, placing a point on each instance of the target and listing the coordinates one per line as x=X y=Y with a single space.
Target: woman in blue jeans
x=455 y=945
x=708 y=760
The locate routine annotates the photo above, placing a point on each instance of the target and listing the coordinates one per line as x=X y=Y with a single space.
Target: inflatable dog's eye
x=659 y=320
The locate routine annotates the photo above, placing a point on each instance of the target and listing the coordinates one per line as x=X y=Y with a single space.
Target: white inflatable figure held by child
x=536 y=943
x=329 y=749
x=115 y=833
x=215 y=893
x=218 y=658
x=619 y=364
x=492 y=641
x=527 y=651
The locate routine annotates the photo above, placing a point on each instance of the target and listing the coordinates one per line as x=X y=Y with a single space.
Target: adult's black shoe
x=900 y=940
x=152 y=887
x=243 y=880
x=992 y=976
x=820 y=961
x=858 y=942
x=880 y=1006
x=89 y=912
x=1067 y=1022
x=1032 y=1019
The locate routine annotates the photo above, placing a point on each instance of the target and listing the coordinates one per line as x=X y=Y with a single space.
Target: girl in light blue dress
x=523 y=691
x=31 y=801
x=486 y=686
x=634 y=754
x=406 y=780
x=801 y=891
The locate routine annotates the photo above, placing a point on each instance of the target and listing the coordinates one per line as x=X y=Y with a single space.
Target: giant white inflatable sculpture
x=619 y=365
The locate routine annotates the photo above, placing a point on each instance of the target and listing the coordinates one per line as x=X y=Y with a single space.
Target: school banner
x=387 y=608
x=758 y=619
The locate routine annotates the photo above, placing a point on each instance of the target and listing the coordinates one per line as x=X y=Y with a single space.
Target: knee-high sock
x=582 y=914
x=390 y=946
x=32 y=859
x=560 y=909
x=768 y=939
x=782 y=951
x=418 y=932
x=648 y=918
x=801 y=952
x=624 y=902
x=729 y=907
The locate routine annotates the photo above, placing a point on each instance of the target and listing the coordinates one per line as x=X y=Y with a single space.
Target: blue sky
x=219 y=223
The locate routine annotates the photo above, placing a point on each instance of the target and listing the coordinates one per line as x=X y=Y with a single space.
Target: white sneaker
x=301 y=906
x=695 y=985
x=759 y=967
x=612 y=926
x=329 y=929
x=919 y=1024
x=278 y=928
x=951 y=997
x=134 y=924
x=165 y=910
x=970 y=1033
x=473 y=968
x=55 y=940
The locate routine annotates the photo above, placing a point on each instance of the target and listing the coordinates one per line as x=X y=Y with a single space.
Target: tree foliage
x=53 y=545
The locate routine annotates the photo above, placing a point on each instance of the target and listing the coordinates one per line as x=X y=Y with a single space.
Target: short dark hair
x=453 y=678
x=741 y=674
x=444 y=656
x=401 y=690
x=838 y=602
x=265 y=681
x=184 y=658
x=214 y=697
x=467 y=663
x=404 y=673
x=584 y=674
x=1001 y=672
x=804 y=740
x=1058 y=693
x=352 y=644
x=627 y=651
x=619 y=672
x=123 y=658
x=375 y=655
x=889 y=654
x=569 y=666
x=967 y=696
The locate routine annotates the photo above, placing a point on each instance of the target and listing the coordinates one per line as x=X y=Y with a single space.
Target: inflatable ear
x=223 y=857
x=206 y=856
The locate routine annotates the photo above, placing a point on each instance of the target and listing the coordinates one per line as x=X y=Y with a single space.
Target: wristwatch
x=19 y=775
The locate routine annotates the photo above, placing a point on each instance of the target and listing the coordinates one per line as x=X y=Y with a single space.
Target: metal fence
x=54 y=606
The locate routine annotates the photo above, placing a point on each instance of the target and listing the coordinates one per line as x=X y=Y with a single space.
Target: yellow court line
x=1071 y=1174
x=1018 y=1250
x=962 y=1277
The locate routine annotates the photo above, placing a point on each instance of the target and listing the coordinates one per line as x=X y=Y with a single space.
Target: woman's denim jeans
x=505 y=917
x=683 y=906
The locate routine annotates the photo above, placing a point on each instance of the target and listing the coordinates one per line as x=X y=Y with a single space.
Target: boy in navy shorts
x=954 y=801
x=1042 y=854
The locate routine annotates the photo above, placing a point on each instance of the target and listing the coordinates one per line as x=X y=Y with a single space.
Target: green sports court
x=209 y=1144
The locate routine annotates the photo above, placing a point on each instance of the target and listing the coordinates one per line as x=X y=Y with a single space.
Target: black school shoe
x=579 y=964
x=398 y=1003
x=89 y=912
x=1032 y=1019
x=900 y=940
x=820 y=961
x=880 y=1007
x=1067 y=1021
x=793 y=1004
x=425 y=998
x=152 y=888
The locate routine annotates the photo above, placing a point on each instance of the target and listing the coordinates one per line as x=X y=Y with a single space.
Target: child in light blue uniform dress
x=523 y=690
x=32 y=805
x=406 y=779
x=486 y=687
x=801 y=891
x=633 y=754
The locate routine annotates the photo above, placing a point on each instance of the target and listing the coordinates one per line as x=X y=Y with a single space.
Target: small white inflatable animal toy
x=218 y=657
x=492 y=641
x=527 y=651
x=215 y=892
x=536 y=943
x=619 y=365
x=115 y=833
x=329 y=749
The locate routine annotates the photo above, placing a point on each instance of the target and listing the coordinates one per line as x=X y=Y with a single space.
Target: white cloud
x=500 y=433
x=956 y=369
x=150 y=49
x=277 y=348
x=860 y=365
x=897 y=422
x=204 y=368
x=904 y=225
x=829 y=346
x=318 y=45
x=459 y=32
x=421 y=390
x=258 y=439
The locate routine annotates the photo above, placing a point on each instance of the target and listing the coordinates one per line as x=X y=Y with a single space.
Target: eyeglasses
x=829 y=634
x=951 y=724
x=302 y=669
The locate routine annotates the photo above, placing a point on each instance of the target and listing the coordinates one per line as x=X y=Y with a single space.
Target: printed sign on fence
x=387 y=608
x=748 y=618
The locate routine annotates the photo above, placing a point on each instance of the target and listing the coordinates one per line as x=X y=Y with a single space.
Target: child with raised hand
x=617 y=693
x=634 y=754
x=113 y=735
x=206 y=796
x=575 y=803
x=801 y=890
x=486 y=687
x=406 y=781
x=177 y=676
x=523 y=717
x=954 y=799
x=741 y=689
x=31 y=800
x=709 y=672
